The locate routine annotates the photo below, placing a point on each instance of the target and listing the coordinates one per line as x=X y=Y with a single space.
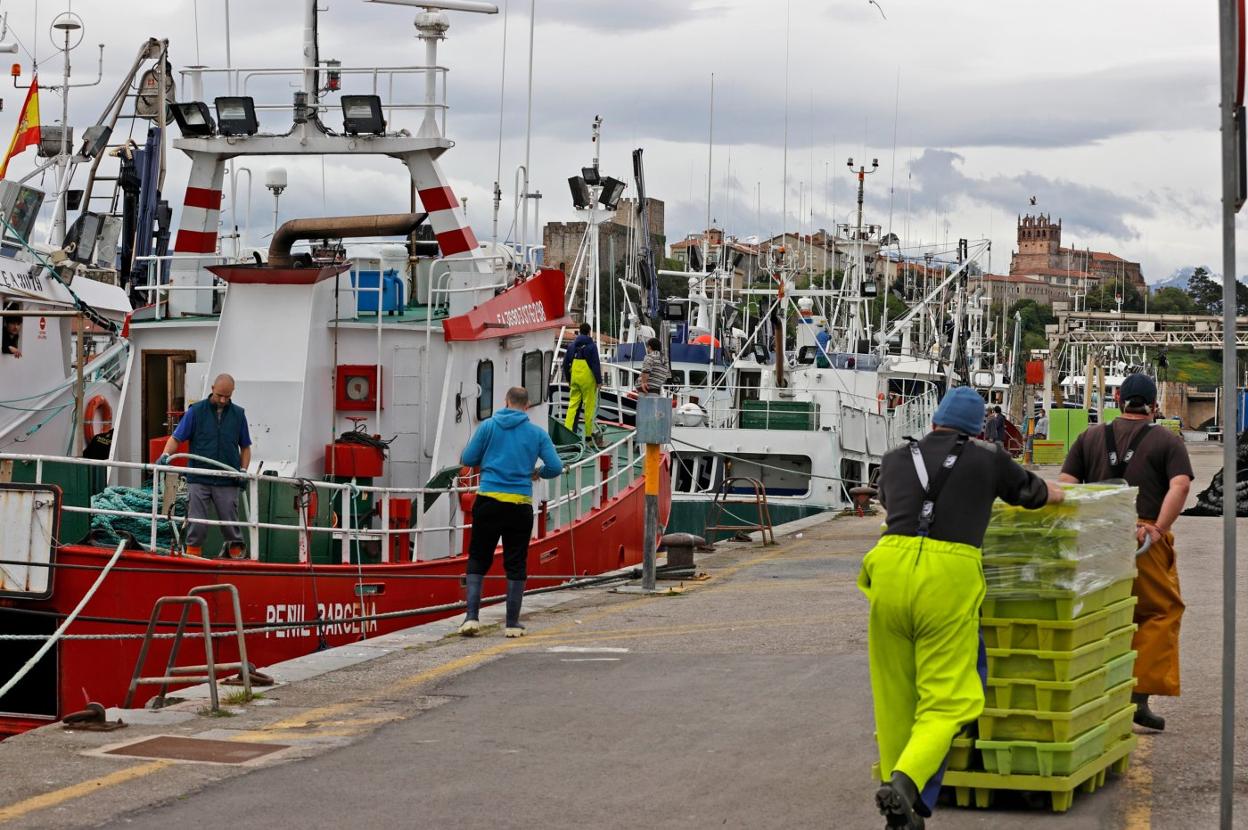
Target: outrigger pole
x=1231 y=25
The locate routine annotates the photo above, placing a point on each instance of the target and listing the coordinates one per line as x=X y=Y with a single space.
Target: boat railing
x=237 y=81
x=158 y=291
x=584 y=486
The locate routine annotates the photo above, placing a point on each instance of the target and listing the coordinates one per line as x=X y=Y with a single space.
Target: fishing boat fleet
x=363 y=374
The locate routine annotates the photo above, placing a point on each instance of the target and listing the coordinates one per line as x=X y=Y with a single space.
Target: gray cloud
x=939 y=183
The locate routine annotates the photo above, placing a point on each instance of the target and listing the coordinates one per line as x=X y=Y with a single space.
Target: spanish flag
x=27 y=132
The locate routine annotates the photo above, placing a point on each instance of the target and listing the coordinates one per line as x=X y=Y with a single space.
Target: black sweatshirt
x=983 y=473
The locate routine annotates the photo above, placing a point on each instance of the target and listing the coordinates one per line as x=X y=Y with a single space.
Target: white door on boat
x=408 y=420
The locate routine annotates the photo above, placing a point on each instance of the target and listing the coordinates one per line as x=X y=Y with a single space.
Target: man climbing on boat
x=216 y=428
x=506 y=448
x=925 y=583
x=583 y=374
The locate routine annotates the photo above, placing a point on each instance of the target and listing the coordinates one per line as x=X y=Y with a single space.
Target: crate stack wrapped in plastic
x=1057 y=624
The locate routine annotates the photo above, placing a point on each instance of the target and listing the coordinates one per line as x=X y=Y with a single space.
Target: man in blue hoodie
x=506 y=448
x=583 y=374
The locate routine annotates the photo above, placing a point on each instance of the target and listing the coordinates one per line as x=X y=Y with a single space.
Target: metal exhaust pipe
x=338 y=227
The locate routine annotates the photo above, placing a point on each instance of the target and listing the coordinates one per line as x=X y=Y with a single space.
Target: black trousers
x=492 y=520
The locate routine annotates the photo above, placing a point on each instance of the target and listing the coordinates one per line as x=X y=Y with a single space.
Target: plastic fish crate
x=1023 y=573
x=1055 y=604
x=1061 y=666
x=978 y=788
x=1119 y=725
x=1119 y=669
x=1119 y=641
x=1035 y=758
x=1046 y=695
x=1051 y=543
x=1047 y=727
x=1057 y=635
x=1117 y=699
x=960 y=752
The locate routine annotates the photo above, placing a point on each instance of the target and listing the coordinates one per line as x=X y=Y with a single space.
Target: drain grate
x=200 y=750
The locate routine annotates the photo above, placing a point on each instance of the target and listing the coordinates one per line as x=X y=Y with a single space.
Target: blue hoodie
x=505 y=448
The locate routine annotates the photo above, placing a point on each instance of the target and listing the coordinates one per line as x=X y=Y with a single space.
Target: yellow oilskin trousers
x=923 y=640
x=1158 y=614
x=584 y=395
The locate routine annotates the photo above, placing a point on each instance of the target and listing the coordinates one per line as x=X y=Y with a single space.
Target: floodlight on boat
x=362 y=114
x=612 y=190
x=443 y=5
x=236 y=115
x=591 y=175
x=580 y=192
x=193 y=118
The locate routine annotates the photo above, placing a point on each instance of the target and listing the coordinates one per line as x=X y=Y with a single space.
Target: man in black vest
x=216 y=428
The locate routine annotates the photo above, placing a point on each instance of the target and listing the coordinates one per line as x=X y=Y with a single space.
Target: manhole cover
x=196 y=749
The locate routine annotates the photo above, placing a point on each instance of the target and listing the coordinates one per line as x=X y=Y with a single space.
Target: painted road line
x=1140 y=787
x=587 y=650
x=51 y=799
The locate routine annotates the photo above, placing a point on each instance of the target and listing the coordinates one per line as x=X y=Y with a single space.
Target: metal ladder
x=207 y=672
x=719 y=506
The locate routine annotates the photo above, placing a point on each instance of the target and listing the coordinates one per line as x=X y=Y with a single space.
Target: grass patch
x=207 y=712
x=1194 y=367
x=240 y=697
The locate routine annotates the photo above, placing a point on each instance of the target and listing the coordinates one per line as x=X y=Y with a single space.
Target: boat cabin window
x=697 y=377
x=531 y=377
x=678 y=378
x=684 y=473
x=548 y=363
x=485 y=384
x=780 y=475
x=12 y=346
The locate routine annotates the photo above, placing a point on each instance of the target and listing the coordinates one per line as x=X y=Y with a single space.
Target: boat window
x=12 y=333
x=548 y=362
x=706 y=472
x=697 y=377
x=684 y=473
x=531 y=377
x=485 y=380
x=780 y=475
x=678 y=378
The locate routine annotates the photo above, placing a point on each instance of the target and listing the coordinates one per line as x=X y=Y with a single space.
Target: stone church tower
x=1039 y=241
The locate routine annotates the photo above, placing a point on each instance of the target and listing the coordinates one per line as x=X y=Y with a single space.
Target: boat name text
x=330 y=618
x=526 y=314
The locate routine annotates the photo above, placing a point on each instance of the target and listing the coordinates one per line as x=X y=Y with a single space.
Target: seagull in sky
x=878 y=6
x=1033 y=200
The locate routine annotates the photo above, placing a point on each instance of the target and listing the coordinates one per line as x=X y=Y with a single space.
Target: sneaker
x=469 y=628
x=513 y=631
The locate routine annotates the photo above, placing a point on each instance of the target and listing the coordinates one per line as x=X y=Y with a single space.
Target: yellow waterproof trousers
x=923 y=641
x=1158 y=614
x=584 y=396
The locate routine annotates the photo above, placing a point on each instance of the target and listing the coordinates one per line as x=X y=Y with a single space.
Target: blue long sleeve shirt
x=505 y=448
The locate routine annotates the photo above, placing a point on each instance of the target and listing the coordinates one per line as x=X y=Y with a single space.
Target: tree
x=1171 y=300
x=1205 y=293
x=1104 y=297
x=1034 y=318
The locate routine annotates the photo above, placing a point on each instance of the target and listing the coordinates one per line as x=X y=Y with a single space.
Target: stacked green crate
x=1057 y=625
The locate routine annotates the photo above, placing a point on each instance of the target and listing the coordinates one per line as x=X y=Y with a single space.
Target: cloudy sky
x=1105 y=112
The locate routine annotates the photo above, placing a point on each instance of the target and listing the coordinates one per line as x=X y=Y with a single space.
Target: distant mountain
x=1178 y=279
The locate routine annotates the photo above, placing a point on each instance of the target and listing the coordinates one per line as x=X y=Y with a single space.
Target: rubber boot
x=471 y=627
x=515 y=596
x=897 y=800
x=1146 y=717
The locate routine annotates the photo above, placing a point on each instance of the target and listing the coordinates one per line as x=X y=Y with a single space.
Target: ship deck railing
x=584 y=487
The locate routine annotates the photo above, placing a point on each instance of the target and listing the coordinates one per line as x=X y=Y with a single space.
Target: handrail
x=579 y=479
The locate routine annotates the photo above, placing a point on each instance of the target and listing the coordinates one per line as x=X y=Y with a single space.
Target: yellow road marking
x=1140 y=787
x=669 y=630
x=51 y=799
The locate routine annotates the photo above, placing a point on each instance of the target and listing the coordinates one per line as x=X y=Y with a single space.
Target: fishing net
x=112 y=529
x=1078 y=546
x=1212 y=498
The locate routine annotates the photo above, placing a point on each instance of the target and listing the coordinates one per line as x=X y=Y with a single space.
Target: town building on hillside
x=1066 y=270
x=563 y=239
x=1007 y=289
x=742 y=256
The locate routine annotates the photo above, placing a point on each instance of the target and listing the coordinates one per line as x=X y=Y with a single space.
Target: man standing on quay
x=506 y=448
x=1155 y=460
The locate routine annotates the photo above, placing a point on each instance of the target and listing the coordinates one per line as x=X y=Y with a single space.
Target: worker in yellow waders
x=583 y=374
x=925 y=582
x=1154 y=460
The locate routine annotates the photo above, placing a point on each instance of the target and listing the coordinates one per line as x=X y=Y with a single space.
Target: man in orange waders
x=1155 y=460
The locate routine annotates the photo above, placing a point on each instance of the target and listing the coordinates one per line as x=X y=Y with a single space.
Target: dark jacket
x=220 y=439
x=582 y=348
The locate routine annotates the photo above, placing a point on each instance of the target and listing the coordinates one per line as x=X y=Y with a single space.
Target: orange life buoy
x=97 y=417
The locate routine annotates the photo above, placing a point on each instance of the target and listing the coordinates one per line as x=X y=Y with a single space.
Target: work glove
x=164 y=459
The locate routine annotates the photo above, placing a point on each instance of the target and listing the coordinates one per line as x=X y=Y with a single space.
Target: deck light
x=236 y=115
x=362 y=114
x=580 y=192
x=612 y=190
x=193 y=118
x=591 y=176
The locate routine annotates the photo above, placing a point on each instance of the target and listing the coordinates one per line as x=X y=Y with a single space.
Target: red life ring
x=97 y=417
